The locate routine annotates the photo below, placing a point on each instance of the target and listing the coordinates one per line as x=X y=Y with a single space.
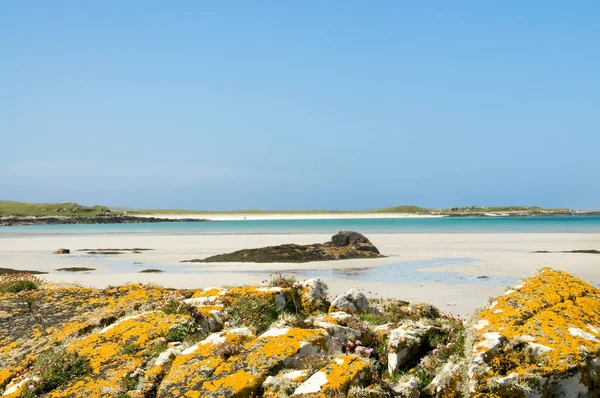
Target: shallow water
x=402 y=271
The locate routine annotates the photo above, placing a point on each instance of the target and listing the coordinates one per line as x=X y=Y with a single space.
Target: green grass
x=15 y=283
x=55 y=368
x=20 y=209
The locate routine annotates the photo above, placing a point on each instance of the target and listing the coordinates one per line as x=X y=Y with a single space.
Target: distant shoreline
x=216 y=217
x=19 y=213
x=286 y=216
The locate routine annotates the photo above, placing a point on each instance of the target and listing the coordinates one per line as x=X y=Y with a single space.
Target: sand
x=285 y=216
x=492 y=254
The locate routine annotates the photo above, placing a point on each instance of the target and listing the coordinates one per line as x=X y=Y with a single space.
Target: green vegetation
x=254 y=311
x=53 y=369
x=128 y=349
x=280 y=280
x=21 y=209
x=15 y=283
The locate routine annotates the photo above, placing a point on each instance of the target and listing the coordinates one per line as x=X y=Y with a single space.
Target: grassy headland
x=20 y=209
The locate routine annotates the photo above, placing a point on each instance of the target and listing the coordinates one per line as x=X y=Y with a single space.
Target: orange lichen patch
x=209 y=292
x=269 y=351
x=139 y=330
x=545 y=325
x=109 y=363
x=279 y=344
x=336 y=378
x=104 y=382
x=239 y=384
x=330 y=319
x=190 y=369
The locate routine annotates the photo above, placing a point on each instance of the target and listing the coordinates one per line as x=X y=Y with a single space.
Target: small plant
x=189 y=332
x=15 y=283
x=129 y=382
x=176 y=306
x=280 y=280
x=315 y=362
x=128 y=349
x=53 y=369
x=254 y=311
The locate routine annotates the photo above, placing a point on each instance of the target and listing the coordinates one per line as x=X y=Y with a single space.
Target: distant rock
x=344 y=245
x=62 y=251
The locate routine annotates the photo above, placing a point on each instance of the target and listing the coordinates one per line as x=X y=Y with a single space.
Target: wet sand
x=439 y=268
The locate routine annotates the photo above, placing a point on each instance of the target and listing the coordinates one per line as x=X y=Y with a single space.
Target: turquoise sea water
x=568 y=224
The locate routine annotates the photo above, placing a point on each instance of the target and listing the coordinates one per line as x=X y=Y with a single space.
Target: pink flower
x=369 y=351
x=350 y=344
x=358 y=342
x=31 y=387
x=435 y=351
x=449 y=345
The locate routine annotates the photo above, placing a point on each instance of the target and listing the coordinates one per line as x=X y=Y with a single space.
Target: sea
x=441 y=225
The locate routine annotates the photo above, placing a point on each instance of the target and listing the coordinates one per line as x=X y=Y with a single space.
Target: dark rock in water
x=590 y=251
x=151 y=271
x=7 y=271
x=62 y=251
x=76 y=269
x=344 y=245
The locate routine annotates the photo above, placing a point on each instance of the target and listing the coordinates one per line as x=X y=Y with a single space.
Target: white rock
x=312 y=385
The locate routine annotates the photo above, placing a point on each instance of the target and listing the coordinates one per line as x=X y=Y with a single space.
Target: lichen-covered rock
x=313 y=295
x=39 y=319
x=244 y=373
x=284 y=383
x=407 y=387
x=191 y=368
x=116 y=351
x=541 y=338
x=336 y=378
x=351 y=302
x=345 y=245
x=61 y=251
x=406 y=341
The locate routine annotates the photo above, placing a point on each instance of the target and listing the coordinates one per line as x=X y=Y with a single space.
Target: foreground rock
x=540 y=339
x=344 y=245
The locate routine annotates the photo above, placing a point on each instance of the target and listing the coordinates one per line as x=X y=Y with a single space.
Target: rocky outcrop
x=541 y=338
x=100 y=219
x=61 y=251
x=344 y=245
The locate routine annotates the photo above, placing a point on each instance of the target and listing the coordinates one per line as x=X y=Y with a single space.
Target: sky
x=300 y=105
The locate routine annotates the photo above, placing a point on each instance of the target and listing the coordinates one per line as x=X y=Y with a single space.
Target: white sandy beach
x=493 y=254
x=285 y=216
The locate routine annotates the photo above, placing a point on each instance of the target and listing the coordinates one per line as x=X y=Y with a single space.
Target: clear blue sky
x=312 y=104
